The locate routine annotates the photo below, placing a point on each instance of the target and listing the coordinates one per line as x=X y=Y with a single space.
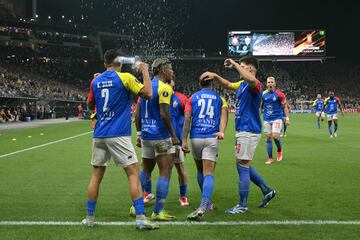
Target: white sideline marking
x=43 y=145
x=187 y=223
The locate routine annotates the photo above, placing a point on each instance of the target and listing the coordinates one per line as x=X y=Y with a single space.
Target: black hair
x=205 y=83
x=250 y=60
x=110 y=55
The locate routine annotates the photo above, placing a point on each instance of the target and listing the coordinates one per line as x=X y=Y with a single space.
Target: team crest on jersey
x=175 y=104
x=274 y=99
x=165 y=94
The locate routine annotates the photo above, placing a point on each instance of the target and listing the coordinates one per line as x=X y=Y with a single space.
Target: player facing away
x=206 y=114
x=177 y=107
x=331 y=105
x=318 y=104
x=248 y=127
x=158 y=137
x=273 y=104
x=284 y=119
x=110 y=94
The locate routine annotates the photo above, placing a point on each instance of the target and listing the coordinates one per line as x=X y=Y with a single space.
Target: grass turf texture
x=317 y=180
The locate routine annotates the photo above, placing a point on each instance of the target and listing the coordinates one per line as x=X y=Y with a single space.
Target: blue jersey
x=331 y=105
x=318 y=104
x=247 y=107
x=205 y=107
x=177 y=109
x=273 y=105
x=152 y=125
x=111 y=92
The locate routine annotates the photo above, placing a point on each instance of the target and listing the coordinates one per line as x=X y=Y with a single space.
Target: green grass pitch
x=318 y=179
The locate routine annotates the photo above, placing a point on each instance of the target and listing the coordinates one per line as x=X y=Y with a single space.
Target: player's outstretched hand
x=207 y=76
x=142 y=67
x=342 y=114
x=287 y=121
x=229 y=63
x=219 y=135
x=138 y=141
x=185 y=148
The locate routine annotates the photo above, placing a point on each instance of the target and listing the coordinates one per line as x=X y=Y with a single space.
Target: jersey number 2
x=105 y=94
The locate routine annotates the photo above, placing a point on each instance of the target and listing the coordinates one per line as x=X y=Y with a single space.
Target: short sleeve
x=91 y=97
x=236 y=85
x=165 y=92
x=257 y=88
x=188 y=107
x=130 y=82
x=224 y=103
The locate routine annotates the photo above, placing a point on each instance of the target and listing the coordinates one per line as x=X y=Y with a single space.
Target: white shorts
x=317 y=114
x=153 y=148
x=272 y=126
x=205 y=148
x=331 y=117
x=120 y=149
x=246 y=143
x=179 y=155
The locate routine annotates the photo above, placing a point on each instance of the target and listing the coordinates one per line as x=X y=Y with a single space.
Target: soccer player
x=177 y=107
x=318 y=104
x=248 y=127
x=110 y=94
x=331 y=105
x=284 y=119
x=208 y=115
x=273 y=104
x=158 y=137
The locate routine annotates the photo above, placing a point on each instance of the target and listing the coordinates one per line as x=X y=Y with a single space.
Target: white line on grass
x=187 y=223
x=44 y=145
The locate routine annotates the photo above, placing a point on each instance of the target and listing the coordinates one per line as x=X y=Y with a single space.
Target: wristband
x=138 y=133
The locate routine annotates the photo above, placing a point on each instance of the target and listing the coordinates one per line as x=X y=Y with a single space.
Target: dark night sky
x=209 y=20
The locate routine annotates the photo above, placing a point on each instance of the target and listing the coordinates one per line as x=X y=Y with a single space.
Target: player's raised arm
x=208 y=76
x=340 y=106
x=146 y=91
x=91 y=99
x=244 y=71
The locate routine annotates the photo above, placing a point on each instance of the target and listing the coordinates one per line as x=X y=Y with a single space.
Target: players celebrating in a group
x=157 y=134
x=248 y=127
x=110 y=94
x=206 y=113
x=318 y=104
x=273 y=105
x=331 y=105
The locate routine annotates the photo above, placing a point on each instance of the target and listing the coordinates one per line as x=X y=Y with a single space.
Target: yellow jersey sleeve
x=165 y=92
x=130 y=82
x=236 y=85
x=326 y=101
x=314 y=103
x=224 y=103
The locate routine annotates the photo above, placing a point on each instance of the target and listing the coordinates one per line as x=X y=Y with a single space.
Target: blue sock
x=244 y=184
x=269 y=147
x=200 y=178
x=183 y=189
x=330 y=130
x=318 y=123
x=91 y=204
x=162 y=189
x=208 y=188
x=285 y=127
x=139 y=206
x=278 y=144
x=335 y=127
x=145 y=182
x=259 y=181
